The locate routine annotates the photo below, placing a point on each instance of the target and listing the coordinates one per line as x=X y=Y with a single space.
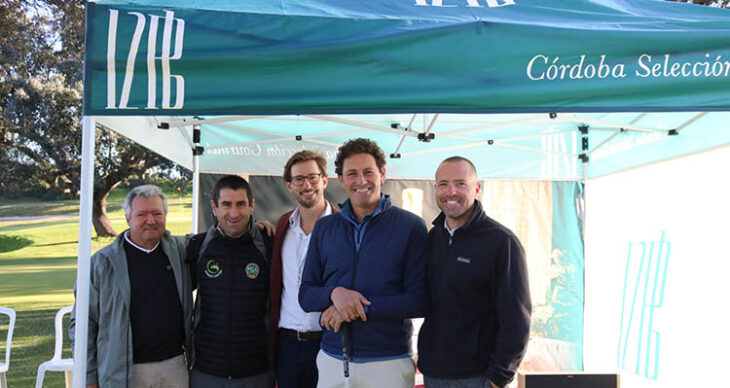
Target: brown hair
x=305 y=156
x=359 y=146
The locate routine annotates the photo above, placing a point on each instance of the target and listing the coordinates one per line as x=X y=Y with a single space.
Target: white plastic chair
x=57 y=364
x=8 y=342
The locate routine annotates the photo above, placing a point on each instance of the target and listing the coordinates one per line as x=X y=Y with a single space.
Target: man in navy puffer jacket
x=365 y=268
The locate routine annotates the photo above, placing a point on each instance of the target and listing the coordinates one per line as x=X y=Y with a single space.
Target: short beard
x=308 y=205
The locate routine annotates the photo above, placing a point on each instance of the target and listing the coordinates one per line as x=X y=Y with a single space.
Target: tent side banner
x=405 y=56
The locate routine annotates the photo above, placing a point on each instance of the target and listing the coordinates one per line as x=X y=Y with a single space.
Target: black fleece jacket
x=478 y=318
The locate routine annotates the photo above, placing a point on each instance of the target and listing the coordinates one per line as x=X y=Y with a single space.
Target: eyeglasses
x=312 y=178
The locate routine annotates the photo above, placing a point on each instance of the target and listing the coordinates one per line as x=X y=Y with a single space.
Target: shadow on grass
x=56 y=243
x=24 y=225
x=39 y=208
x=49 y=261
x=13 y=243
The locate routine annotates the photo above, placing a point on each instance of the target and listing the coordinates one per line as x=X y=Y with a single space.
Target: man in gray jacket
x=140 y=302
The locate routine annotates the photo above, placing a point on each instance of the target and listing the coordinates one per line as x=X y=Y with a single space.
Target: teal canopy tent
x=527 y=89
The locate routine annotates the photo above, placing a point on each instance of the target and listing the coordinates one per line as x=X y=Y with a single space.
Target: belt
x=302 y=335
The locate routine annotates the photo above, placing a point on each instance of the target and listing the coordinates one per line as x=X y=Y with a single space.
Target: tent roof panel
x=334 y=57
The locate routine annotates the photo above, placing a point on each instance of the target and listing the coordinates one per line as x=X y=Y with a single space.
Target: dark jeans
x=200 y=379
x=471 y=382
x=296 y=366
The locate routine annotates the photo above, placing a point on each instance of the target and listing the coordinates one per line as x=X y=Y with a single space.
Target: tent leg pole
x=197 y=150
x=84 y=259
x=196 y=192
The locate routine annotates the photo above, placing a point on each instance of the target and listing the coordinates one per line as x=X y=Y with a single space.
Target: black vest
x=231 y=332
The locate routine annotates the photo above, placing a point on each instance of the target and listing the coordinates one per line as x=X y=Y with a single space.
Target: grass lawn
x=37 y=274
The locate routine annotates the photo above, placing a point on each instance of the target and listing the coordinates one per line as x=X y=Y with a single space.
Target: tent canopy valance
x=149 y=57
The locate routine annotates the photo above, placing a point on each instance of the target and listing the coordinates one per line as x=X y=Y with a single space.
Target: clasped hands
x=347 y=306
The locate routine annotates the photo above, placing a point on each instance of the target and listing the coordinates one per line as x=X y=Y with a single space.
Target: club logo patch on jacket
x=213 y=268
x=251 y=270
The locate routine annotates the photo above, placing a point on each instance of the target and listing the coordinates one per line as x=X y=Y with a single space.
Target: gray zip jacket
x=109 y=354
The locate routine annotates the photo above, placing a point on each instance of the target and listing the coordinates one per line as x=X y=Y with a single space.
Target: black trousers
x=296 y=365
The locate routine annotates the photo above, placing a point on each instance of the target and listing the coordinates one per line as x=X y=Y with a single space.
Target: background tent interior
x=545 y=98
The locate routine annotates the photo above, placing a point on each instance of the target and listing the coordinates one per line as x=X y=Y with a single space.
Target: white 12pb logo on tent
x=164 y=56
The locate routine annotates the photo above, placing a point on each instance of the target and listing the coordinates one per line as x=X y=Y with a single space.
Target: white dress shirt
x=293 y=254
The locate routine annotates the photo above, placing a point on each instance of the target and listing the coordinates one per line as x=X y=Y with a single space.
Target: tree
x=41 y=62
x=37 y=102
x=118 y=158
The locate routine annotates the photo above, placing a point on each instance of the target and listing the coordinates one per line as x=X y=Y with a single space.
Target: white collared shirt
x=145 y=250
x=451 y=231
x=293 y=253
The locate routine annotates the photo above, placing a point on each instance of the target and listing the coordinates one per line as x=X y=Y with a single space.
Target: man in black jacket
x=478 y=319
x=230 y=267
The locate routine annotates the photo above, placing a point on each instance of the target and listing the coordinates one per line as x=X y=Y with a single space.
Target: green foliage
x=40 y=96
x=174 y=188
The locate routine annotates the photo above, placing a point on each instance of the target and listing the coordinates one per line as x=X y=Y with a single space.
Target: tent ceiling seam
x=605 y=141
x=544 y=134
x=690 y=121
x=538 y=150
x=449 y=148
x=268 y=141
x=217 y=120
x=637 y=118
x=287 y=136
x=627 y=127
x=486 y=143
x=186 y=136
x=404 y=131
x=262 y=131
x=322 y=142
x=536 y=118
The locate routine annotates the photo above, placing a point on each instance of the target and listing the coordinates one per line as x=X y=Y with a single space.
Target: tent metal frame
x=428 y=132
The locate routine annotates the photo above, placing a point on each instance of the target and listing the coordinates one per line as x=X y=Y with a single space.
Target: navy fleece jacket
x=383 y=258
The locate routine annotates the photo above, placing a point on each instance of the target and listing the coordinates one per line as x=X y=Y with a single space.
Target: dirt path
x=37 y=218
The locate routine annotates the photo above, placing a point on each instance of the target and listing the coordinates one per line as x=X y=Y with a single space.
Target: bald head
x=459 y=159
x=456 y=189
